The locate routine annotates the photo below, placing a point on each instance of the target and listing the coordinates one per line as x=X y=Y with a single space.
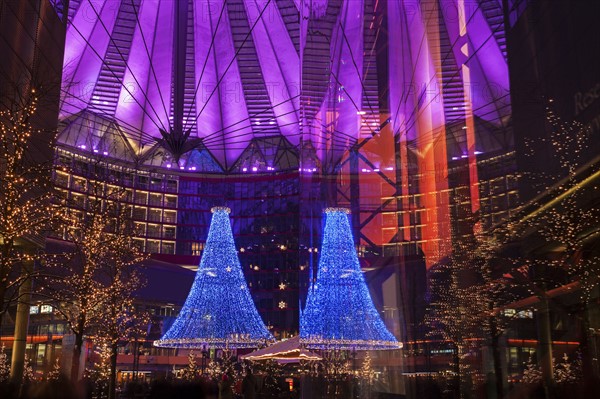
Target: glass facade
x=439 y=124
x=398 y=111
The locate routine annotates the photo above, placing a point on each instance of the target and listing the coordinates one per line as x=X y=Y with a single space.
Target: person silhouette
x=226 y=387
x=249 y=385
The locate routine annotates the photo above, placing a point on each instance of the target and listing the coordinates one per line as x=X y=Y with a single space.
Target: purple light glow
x=279 y=62
x=143 y=101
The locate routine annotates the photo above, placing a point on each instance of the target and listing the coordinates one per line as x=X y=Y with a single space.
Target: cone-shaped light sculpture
x=339 y=312
x=219 y=311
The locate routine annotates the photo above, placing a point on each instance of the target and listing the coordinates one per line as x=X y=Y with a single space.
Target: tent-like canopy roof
x=232 y=71
x=284 y=351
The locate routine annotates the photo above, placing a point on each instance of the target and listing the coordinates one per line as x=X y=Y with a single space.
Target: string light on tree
x=4 y=364
x=367 y=375
x=532 y=373
x=217 y=313
x=339 y=312
x=336 y=367
x=460 y=312
x=54 y=374
x=191 y=372
x=28 y=374
x=99 y=373
x=567 y=371
x=226 y=364
x=26 y=210
x=568 y=222
x=102 y=245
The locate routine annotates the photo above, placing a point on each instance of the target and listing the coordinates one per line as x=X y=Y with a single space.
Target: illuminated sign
x=45 y=309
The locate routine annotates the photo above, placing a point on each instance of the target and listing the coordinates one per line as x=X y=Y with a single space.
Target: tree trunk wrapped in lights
x=26 y=211
x=339 y=312
x=92 y=283
x=219 y=311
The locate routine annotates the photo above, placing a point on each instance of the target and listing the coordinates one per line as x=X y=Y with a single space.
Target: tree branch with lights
x=92 y=273
x=557 y=232
x=120 y=278
x=25 y=193
x=468 y=296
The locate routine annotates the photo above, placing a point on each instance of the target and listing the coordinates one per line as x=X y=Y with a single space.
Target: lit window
x=45 y=309
x=197 y=248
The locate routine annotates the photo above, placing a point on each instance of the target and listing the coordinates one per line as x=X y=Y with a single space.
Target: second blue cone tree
x=219 y=311
x=339 y=312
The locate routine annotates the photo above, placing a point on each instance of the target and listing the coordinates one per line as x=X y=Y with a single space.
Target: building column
x=21 y=324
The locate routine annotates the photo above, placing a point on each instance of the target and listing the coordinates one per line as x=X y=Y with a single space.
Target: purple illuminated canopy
x=237 y=71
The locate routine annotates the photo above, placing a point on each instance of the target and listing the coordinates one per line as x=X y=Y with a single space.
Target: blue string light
x=339 y=312
x=219 y=311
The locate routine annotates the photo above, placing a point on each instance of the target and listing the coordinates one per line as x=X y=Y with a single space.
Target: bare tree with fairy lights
x=119 y=280
x=191 y=372
x=564 y=220
x=99 y=373
x=453 y=314
x=25 y=207
x=91 y=282
x=72 y=281
x=550 y=243
x=4 y=365
x=468 y=295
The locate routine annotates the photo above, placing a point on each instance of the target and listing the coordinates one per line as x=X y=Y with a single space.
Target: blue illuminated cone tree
x=219 y=311
x=339 y=312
